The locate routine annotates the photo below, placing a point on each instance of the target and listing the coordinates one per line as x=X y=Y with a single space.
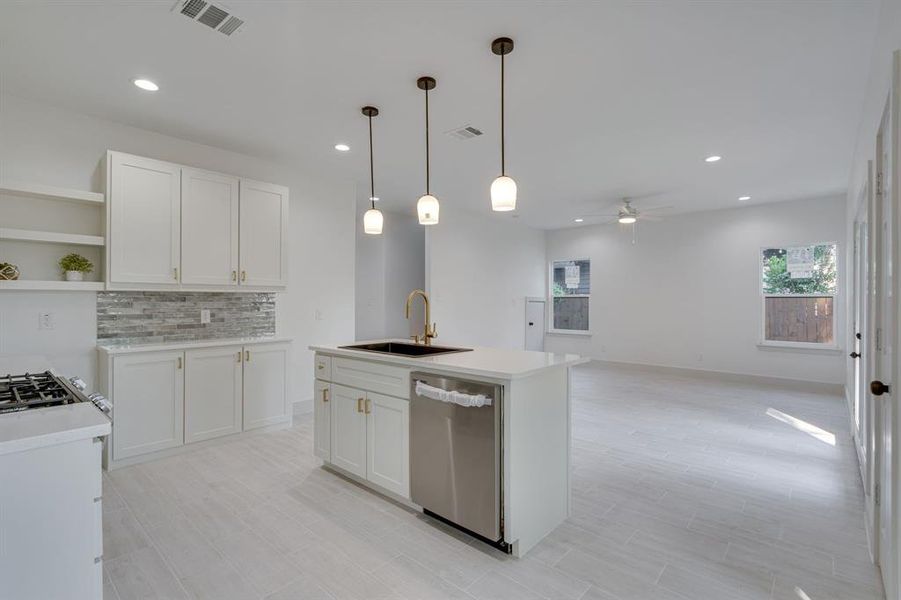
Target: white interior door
x=264 y=232
x=144 y=205
x=348 y=429
x=535 y=327
x=213 y=392
x=209 y=226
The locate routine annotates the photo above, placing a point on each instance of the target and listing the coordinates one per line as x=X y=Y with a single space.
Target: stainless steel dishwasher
x=455 y=455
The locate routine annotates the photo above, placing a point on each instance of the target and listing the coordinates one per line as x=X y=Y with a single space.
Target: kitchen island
x=413 y=421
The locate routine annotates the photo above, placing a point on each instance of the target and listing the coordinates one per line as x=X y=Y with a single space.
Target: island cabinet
x=358 y=428
x=176 y=227
x=164 y=399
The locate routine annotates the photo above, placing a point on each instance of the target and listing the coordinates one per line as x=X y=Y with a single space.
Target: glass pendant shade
x=427 y=208
x=372 y=221
x=503 y=194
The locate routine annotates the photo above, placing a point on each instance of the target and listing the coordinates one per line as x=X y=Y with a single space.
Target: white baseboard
x=784 y=382
x=302 y=407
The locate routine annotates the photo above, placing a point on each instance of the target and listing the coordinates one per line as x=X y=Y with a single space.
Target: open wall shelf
x=52 y=286
x=25 y=235
x=36 y=190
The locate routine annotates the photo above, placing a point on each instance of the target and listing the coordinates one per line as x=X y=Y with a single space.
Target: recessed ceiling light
x=342 y=147
x=579 y=220
x=743 y=198
x=713 y=158
x=146 y=85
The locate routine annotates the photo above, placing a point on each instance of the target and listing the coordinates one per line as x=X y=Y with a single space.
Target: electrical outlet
x=318 y=315
x=204 y=316
x=45 y=320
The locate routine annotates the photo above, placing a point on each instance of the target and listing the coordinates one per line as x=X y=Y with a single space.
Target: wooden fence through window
x=799 y=319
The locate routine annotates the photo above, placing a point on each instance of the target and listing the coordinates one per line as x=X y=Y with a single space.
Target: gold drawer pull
x=239 y=356
x=325 y=394
x=243 y=275
x=178 y=362
x=359 y=405
x=247 y=356
x=175 y=273
x=368 y=406
x=320 y=366
x=234 y=276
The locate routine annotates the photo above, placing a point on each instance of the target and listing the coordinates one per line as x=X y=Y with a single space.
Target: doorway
x=536 y=309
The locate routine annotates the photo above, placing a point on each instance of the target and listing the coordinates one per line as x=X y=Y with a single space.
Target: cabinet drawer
x=322 y=368
x=375 y=377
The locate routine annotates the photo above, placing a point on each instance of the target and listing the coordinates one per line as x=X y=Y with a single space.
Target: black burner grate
x=32 y=390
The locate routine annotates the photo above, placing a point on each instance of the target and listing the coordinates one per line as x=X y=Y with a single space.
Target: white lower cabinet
x=213 y=392
x=388 y=442
x=265 y=385
x=348 y=421
x=149 y=400
x=363 y=432
x=322 y=422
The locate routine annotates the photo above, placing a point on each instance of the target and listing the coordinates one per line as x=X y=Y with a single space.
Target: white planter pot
x=74 y=276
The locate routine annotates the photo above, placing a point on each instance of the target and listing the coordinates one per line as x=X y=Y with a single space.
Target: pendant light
x=503 y=189
x=372 y=219
x=427 y=207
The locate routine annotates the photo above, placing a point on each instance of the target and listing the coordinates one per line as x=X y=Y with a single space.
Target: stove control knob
x=78 y=382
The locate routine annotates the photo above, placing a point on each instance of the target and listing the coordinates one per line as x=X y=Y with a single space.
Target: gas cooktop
x=35 y=390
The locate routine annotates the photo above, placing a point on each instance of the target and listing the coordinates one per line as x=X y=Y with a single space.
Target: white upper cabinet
x=264 y=233
x=209 y=225
x=175 y=227
x=144 y=220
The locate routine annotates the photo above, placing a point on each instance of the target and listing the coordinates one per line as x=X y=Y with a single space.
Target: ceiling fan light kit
x=372 y=219
x=503 y=189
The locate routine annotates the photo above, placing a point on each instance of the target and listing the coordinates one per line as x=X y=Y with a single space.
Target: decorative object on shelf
x=75 y=266
x=8 y=272
x=427 y=207
x=503 y=189
x=372 y=219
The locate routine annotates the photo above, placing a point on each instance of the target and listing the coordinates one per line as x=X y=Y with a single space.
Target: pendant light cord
x=427 y=177
x=503 y=161
x=371 y=167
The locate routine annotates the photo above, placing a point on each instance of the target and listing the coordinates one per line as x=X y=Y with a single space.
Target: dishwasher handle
x=451 y=396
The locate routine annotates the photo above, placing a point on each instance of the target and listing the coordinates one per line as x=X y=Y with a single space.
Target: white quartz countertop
x=130 y=348
x=50 y=426
x=498 y=363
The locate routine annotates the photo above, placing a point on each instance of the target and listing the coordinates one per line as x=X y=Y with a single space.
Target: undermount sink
x=404 y=349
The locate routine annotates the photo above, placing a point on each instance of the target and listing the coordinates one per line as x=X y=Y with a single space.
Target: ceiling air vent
x=212 y=15
x=464 y=133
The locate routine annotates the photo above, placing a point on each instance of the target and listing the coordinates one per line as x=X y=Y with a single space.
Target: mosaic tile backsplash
x=150 y=317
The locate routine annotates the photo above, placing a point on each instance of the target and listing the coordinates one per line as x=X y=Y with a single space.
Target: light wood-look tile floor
x=683 y=489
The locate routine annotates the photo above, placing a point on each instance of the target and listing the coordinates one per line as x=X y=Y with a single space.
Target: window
x=799 y=285
x=570 y=293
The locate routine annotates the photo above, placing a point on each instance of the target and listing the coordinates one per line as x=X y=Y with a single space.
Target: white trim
x=801 y=346
x=568 y=332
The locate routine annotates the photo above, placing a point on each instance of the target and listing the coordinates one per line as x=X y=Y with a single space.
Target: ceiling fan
x=629 y=215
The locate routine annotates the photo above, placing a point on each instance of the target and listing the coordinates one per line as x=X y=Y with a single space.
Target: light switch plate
x=204 y=316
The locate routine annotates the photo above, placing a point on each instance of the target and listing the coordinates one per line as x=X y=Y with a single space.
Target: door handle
x=857 y=335
x=325 y=394
x=360 y=405
x=531 y=323
x=854 y=355
x=877 y=388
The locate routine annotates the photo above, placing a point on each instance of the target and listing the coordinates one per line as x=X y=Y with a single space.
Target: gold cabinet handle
x=243 y=275
x=175 y=273
x=234 y=276
x=368 y=406
x=325 y=394
x=239 y=356
x=359 y=405
x=320 y=366
x=247 y=356
x=178 y=362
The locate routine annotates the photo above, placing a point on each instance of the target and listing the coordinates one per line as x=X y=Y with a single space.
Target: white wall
x=389 y=266
x=44 y=144
x=480 y=269
x=688 y=293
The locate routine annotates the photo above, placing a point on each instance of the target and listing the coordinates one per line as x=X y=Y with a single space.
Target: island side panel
x=536 y=456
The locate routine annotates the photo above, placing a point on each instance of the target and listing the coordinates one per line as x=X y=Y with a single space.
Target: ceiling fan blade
x=644 y=217
x=652 y=208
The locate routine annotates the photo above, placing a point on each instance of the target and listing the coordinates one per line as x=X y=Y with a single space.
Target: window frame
x=549 y=318
x=764 y=343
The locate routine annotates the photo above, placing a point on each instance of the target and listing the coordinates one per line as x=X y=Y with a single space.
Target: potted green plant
x=75 y=266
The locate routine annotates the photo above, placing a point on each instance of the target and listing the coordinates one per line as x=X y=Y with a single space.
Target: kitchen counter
x=495 y=363
x=113 y=348
x=51 y=426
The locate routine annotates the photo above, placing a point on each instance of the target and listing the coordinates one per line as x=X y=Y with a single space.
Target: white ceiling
x=605 y=99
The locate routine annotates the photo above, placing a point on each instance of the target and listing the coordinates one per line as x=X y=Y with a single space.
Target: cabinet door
x=144 y=204
x=148 y=402
x=264 y=232
x=265 y=385
x=388 y=437
x=213 y=392
x=322 y=424
x=348 y=420
x=209 y=228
